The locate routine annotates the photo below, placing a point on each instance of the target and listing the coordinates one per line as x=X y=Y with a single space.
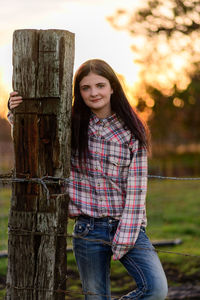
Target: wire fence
x=78 y=292
x=21 y=232
x=9 y=178
x=44 y=181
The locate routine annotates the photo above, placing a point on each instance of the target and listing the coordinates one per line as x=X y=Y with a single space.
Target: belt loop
x=92 y=222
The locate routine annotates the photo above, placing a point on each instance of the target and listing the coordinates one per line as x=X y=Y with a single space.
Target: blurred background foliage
x=166 y=44
x=166 y=38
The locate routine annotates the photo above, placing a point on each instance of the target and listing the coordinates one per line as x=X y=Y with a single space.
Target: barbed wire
x=21 y=232
x=44 y=181
x=60 y=291
x=9 y=178
x=173 y=178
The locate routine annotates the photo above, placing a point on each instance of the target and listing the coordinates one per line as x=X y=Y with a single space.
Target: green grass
x=5 y=195
x=4 y=208
x=174 y=164
x=173 y=212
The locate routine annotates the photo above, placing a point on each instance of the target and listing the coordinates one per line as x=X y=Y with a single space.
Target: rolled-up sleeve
x=134 y=211
x=10 y=117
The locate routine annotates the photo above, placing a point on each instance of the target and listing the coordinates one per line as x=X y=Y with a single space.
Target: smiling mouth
x=95 y=100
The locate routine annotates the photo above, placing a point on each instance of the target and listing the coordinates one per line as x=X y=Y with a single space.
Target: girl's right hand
x=14 y=100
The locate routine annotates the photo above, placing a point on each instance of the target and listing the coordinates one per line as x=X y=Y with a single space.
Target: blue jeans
x=93 y=261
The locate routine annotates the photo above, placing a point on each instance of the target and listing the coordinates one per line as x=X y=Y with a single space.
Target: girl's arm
x=13 y=102
x=134 y=210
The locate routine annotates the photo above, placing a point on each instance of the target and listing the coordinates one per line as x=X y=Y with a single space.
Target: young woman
x=108 y=186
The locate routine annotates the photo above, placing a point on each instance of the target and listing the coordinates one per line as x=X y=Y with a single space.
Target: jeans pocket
x=143 y=229
x=143 y=240
x=81 y=229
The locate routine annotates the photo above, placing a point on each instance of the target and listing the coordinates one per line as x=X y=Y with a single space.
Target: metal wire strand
x=8 y=178
x=22 y=232
x=60 y=291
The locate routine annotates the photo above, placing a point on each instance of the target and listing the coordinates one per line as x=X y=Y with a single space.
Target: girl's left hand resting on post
x=14 y=100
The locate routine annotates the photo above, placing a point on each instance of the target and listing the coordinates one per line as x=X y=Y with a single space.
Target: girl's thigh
x=93 y=260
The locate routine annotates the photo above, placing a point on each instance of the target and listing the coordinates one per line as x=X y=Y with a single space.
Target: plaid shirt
x=112 y=182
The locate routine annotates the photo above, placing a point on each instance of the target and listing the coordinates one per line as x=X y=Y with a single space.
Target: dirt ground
x=181 y=286
x=184 y=286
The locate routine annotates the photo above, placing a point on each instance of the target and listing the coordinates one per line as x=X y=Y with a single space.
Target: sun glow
x=94 y=37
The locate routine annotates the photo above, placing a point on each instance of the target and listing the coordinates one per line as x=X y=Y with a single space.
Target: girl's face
x=96 y=92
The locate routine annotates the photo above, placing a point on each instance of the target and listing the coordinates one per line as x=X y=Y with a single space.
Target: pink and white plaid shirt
x=112 y=182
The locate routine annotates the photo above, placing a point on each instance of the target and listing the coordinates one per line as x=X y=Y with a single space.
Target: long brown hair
x=119 y=104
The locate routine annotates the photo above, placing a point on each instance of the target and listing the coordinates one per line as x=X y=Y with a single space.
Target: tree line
x=166 y=39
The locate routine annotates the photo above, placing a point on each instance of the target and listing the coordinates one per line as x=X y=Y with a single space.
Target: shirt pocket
x=118 y=162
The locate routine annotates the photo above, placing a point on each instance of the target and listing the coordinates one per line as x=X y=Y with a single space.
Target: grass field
x=173 y=212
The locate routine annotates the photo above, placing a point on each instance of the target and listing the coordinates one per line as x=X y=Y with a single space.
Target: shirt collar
x=95 y=120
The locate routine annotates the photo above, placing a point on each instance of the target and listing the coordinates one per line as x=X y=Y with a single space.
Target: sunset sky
x=94 y=36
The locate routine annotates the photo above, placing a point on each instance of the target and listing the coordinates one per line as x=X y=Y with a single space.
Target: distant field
x=173 y=164
x=173 y=212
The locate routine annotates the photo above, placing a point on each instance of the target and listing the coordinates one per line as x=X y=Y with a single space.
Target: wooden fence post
x=42 y=74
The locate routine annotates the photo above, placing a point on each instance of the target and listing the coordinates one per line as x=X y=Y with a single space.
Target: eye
x=100 y=85
x=84 y=88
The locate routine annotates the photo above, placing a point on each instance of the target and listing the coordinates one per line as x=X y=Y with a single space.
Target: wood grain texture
x=42 y=74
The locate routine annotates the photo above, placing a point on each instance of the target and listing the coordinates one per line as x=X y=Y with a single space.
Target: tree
x=174 y=119
x=166 y=38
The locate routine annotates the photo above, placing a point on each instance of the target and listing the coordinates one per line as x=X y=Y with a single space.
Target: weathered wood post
x=42 y=74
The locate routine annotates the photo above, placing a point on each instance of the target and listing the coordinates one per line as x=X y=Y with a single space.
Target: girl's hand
x=14 y=100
